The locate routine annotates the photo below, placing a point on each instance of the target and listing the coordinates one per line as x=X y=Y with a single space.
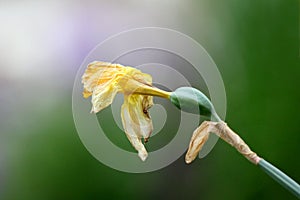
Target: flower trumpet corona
x=103 y=81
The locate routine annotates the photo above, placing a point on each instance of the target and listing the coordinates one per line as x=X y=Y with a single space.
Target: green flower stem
x=233 y=139
x=280 y=177
x=193 y=101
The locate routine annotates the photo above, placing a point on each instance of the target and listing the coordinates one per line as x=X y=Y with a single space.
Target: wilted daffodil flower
x=103 y=81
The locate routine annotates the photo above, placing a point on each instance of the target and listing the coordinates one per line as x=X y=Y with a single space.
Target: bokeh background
x=255 y=45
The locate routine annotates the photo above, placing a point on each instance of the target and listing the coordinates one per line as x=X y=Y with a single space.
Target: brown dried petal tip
x=221 y=129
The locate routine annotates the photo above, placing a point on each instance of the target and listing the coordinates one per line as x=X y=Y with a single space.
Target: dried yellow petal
x=103 y=81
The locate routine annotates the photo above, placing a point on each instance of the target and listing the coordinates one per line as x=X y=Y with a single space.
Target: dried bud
x=221 y=129
x=200 y=136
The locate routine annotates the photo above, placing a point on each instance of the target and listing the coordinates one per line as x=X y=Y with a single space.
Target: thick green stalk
x=280 y=177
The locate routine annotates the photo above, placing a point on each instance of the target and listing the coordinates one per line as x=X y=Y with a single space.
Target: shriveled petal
x=103 y=96
x=138 y=106
x=142 y=77
x=131 y=133
x=200 y=136
x=98 y=73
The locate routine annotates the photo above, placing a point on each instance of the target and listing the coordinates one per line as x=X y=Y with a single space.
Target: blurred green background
x=255 y=45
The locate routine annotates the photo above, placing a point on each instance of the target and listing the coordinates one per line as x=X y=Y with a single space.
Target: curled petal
x=138 y=106
x=131 y=132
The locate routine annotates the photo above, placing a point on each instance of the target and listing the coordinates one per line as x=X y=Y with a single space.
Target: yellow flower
x=103 y=81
